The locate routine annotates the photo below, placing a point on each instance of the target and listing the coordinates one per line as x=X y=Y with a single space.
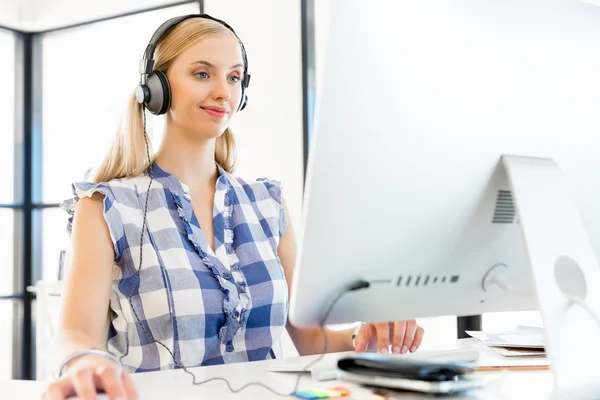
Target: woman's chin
x=209 y=131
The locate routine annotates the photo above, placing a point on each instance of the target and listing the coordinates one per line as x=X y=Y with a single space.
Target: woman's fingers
x=399 y=329
x=404 y=336
x=83 y=382
x=59 y=390
x=86 y=380
x=409 y=336
x=419 y=333
x=383 y=336
x=110 y=379
x=364 y=339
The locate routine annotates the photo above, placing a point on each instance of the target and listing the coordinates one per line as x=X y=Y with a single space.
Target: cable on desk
x=355 y=286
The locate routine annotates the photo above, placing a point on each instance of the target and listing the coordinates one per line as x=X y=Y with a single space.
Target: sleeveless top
x=207 y=307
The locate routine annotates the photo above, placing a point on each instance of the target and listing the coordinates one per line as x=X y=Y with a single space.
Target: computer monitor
x=455 y=165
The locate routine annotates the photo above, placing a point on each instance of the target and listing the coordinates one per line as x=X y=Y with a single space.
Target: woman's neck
x=192 y=162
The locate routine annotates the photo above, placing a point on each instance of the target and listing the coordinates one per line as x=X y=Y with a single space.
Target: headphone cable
x=355 y=286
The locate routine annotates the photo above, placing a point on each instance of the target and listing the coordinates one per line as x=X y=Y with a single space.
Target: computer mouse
x=99 y=396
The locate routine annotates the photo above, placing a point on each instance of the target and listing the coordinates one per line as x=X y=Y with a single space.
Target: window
x=55 y=241
x=81 y=80
x=100 y=62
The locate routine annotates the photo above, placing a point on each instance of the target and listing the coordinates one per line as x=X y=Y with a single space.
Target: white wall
x=269 y=131
x=9 y=14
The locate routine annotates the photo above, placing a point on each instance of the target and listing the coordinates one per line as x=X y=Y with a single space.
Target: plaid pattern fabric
x=208 y=307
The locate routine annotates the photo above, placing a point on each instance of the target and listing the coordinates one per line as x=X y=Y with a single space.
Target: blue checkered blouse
x=208 y=307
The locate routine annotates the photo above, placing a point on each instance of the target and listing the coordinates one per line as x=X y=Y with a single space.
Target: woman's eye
x=235 y=79
x=201 y=75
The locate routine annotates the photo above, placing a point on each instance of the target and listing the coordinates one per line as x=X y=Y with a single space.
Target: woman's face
x=206 y=86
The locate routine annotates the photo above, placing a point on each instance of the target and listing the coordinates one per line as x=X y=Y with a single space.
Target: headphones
x=154 y=90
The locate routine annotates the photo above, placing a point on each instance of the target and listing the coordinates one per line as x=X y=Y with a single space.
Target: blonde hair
x=127 y=155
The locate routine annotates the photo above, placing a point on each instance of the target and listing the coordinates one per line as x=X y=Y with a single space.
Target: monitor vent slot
x=504 y=212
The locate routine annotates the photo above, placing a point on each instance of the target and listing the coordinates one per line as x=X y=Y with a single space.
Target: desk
x=513 y=385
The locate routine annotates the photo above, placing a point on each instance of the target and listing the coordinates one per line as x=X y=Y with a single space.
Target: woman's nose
x=221 y=90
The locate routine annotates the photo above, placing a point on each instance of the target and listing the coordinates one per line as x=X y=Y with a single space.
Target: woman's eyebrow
x=212 y=65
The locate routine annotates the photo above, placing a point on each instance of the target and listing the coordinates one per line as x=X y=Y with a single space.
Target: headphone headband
x=154 y=90
x=147 y=61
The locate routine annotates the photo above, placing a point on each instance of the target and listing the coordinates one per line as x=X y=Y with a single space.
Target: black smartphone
x=390 y=366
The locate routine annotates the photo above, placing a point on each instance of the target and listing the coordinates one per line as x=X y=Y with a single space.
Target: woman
x=174 y=259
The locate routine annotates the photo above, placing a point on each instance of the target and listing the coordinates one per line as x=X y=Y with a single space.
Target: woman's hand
x=88 y=375
x=403 y=336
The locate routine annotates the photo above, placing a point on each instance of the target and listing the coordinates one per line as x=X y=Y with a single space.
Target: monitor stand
x=565 y=273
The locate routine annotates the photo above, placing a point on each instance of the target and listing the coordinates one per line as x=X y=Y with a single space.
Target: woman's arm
x=307 y=341
x=83 y=324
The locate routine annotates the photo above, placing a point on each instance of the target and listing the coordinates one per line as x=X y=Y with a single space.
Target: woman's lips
x=217 y=112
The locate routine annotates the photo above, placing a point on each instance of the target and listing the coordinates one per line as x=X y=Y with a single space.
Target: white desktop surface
x=513 y=385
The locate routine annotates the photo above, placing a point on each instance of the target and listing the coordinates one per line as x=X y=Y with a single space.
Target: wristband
x=98 y=352
x=354 y=336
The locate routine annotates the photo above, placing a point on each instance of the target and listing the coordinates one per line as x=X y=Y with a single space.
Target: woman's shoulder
x=258 y=188
x=266 y=193
x=117 y=195
x=111 y=189
x=119 y=190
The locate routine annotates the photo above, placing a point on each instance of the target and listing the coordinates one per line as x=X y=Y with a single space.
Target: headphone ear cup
x=160 y=93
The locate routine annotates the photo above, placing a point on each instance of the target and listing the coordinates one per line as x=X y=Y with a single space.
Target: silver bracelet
x=356 y=334
x=98 y=352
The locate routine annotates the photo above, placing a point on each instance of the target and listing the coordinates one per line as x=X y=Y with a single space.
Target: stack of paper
x=519 y=352
x=520 y=337
x=522 y=341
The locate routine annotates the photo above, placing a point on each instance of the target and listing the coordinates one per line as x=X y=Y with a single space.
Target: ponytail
x=127 y=155
x=225 y=151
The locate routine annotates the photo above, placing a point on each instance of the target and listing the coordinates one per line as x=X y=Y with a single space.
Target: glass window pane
x=7 y=255
x=8 y=311
x=89 y=74
x=7 y=116
x=55 y=240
